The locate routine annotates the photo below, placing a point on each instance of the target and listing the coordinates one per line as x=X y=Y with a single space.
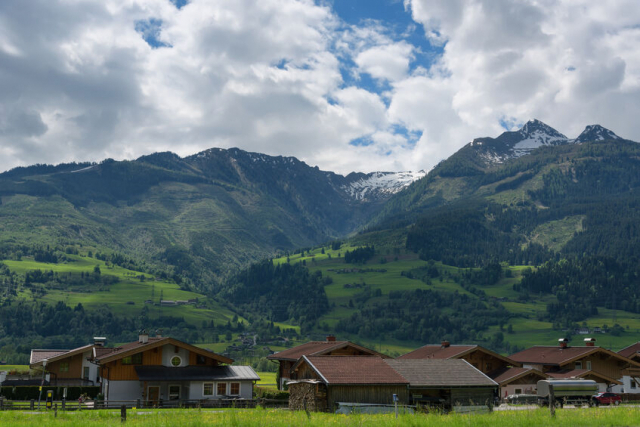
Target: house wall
x=484 y=362
x=170 y=350
x=306 y=396
x=93 y=368
x=115 y=370
x=123 y=390
x=75 y=368
x=381 y=394
x=197 y=389
x=604 y=364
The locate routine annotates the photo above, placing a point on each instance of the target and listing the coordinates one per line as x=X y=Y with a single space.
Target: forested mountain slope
x=201 y=216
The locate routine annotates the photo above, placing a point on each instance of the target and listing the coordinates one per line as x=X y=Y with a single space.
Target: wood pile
x=307 y=396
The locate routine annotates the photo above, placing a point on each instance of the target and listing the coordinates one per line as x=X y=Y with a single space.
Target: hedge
x=29 y=392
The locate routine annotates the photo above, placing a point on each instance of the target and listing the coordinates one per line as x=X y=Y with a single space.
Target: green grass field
x=16 y=368
x=618 y=416
x=128 y=295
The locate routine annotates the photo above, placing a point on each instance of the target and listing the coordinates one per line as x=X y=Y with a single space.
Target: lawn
x=618 y=416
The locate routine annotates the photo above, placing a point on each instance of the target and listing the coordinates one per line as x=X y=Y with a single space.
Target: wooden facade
x=118 y=371
x=67 y=368
x=375 y=393
x=485 y=362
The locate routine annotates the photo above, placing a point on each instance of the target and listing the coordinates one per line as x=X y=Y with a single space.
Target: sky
x=346 y=85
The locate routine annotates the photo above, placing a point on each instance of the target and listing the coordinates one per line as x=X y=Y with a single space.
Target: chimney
x=99 y=341
x=445 y=344
x=158 y=333
x=143 y=338
x=563 y=342
x=590 y=342
x=331 y=338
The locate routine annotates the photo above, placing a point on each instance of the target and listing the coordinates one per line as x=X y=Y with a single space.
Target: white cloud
x=78 y=82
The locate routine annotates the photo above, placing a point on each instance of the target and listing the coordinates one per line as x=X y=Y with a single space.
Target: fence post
x=32 y=404
x=138 y=403
x=55 y=411
x=64 y=404
x=123 y=413
x=552 y=403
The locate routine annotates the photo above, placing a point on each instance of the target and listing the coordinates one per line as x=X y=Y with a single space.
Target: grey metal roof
x=440 y=373
x=197 y=373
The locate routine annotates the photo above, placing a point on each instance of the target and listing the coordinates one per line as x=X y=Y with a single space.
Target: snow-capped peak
x=596 y=133
x=535 y=134
x=377 y=185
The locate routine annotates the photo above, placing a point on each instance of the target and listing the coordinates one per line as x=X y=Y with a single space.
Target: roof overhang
x=151 y=345
x=62 y=356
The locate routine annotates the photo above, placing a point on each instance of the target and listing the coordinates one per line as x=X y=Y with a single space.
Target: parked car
x=606 y=398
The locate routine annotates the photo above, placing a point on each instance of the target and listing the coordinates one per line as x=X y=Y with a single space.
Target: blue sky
x=347 y=85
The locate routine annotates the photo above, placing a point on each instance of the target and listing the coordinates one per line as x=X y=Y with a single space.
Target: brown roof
x=506 y=375
x=437 y=351
x=153 y=342
x=54 y=355
x=557 y=356
x=630 y=351
x=440 y=373
x=39 y=354
x=353 y=370
x=319 y=348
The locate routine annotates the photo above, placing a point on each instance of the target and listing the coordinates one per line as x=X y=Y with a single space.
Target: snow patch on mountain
x=377 y=185
x=536 y=134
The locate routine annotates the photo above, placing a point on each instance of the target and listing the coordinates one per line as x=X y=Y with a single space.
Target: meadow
x=618 y=416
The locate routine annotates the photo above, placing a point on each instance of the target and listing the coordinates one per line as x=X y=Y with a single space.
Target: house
x=330 y=347
x=479 y=357
x=150 y=369
x=67 y=367
x=568 y=362
x=517 y=380
x=324 y=381
x=631 y=378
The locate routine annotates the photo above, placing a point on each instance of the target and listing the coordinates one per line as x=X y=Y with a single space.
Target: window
x=207 y=389
x=589 y=364
x=201 y=360
x=85 y=373
x=174 y=392
x=135 y=359
x=176 y=361
x=633 y=384
x=578 y=365
x=64 y=366
x=518 y=391
x=222 y=389
x=234 y=389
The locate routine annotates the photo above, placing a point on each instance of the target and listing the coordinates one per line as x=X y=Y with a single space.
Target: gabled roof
x=630 y=351
x=440 y=373
x=581 y=373
x=319 y=348
x=154 y=342
x=506 y=375
x=38 y=354
x=438 y=351
x=351 y=370
x=558 y=356
x=196 y=373
x=50 y=355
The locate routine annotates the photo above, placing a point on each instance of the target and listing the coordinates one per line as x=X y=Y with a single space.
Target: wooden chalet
x=591 y=362
x=330 y=347
x=324 y=381
x=517 y=380
x=631 y=378
x=479 y=357
x=152 y=369
x=67 y=367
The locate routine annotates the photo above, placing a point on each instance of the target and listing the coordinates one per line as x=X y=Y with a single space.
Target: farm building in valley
x=324 y=381
x=330 y=347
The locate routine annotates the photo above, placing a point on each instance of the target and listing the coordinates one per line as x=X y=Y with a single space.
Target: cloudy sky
x=343 y=84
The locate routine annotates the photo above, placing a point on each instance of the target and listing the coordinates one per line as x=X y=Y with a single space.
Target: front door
x=153 y=394
x=174 y=392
